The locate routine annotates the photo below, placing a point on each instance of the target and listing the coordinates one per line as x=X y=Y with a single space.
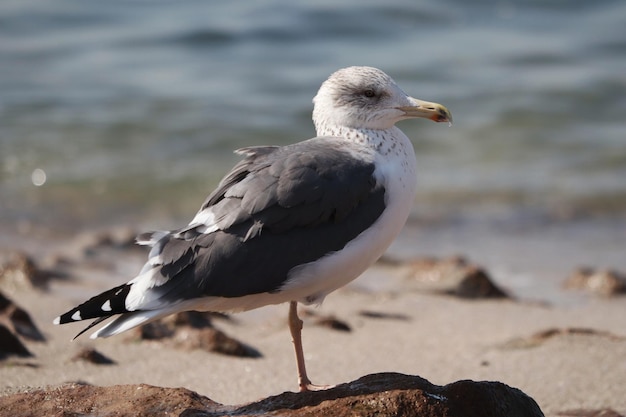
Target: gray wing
x=278 y=208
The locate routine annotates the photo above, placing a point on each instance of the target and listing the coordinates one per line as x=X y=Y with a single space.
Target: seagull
x=288 y=224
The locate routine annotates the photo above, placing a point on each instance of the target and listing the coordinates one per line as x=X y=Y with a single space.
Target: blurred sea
x=127 y=112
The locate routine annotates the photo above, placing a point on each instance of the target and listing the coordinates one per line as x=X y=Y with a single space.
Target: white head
x=367 y=98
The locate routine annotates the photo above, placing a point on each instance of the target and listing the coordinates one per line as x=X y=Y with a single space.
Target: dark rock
x=328 y=321
x=383 y=316
x=605 y=412
x=24 y=325
x=333 y=323
x=195 y=319
x=392 y=394
x=453 y=276
x=93 y=356
x=168 y=326
x=123 y=237
x=213 y=340
x=545 y=335
x=194 y=330
x=18 y=271
x=119 y=400
x=605 y=283
x=18 y=320
x=15 y=322
x=155 y=330
x=387 y=394
x=90 y=242
x=10 y=344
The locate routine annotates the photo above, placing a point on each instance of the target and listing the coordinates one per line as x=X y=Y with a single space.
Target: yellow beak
x=433 y=111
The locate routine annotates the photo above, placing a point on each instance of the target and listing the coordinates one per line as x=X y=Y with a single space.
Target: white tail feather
x=129 y=321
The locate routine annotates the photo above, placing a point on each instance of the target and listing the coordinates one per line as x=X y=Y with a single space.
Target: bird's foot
x=308 y=386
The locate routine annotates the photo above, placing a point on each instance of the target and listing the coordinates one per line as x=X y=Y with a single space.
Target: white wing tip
x=57 y=320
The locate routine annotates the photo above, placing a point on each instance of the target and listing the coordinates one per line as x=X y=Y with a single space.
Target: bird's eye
x=369 y=93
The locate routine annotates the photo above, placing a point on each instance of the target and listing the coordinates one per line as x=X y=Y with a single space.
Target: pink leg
x=295 y=326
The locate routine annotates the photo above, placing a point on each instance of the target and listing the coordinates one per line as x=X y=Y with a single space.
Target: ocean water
x=127 y=112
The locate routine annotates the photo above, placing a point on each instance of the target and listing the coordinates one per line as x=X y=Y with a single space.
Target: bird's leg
x=295 y=326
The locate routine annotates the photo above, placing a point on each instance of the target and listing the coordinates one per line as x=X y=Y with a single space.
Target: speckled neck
x=383 y=141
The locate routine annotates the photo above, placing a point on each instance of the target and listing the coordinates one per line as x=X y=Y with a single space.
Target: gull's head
x=367 y=98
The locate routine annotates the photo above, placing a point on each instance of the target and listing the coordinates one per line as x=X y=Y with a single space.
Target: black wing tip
x=69 y=317
x=94 y=308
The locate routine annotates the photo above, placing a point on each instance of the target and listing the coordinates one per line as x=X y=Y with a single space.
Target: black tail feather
x=94 y=323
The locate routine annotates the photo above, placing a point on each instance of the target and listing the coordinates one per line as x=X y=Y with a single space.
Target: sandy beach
x=579 y=362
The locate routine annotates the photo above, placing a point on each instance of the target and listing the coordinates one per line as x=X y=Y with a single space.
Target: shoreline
x=529 y=260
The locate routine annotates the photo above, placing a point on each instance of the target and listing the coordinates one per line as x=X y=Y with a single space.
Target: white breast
x=396 y=169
